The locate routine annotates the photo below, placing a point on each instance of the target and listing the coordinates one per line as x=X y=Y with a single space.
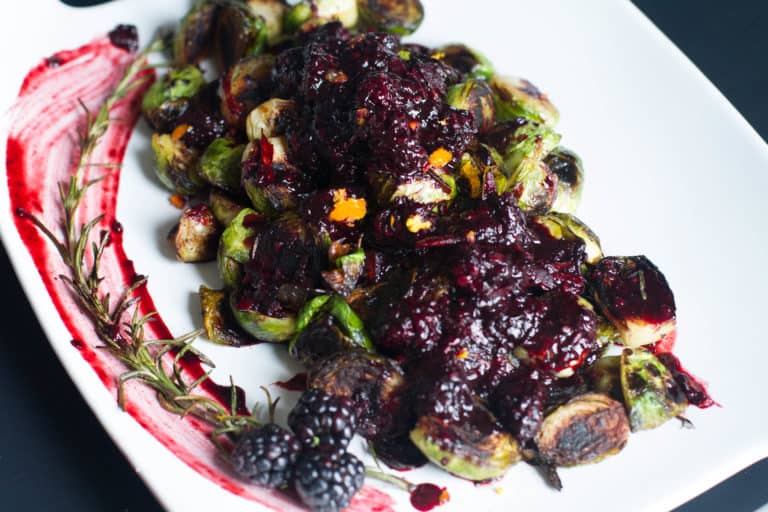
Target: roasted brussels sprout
x=273 y=13
x=349 y=269
x=428 y=188
x=374 y=383
x=239 y=33
x=244 y=86
x=176 y=164
x=605 y=377
x=344 y=11
x=634 y=295
x=586 y=429
x=519 y=140
x=193 y=37
x=169 y=97
x=476 y=97
x=220 y=164
x=568 y=227
x=224 y=207
x=220 y=327
x=534 y=186
x=265 y=120
x=263 y=327
x=196 y=236
x=466 y=60
x=271 y=181
x=651 y=394
x=327 y=325
x=517 y=97
x=296 y=16
x=567 y=166
x=475 y=449
x=236 y=243
x=481 y=172
x=401 y=17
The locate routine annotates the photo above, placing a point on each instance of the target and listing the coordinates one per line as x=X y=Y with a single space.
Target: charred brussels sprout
x=327 y=325
x=349 y=269
x=605 y=377
x=176 y=164
x=586 y=429
x=517 y=97
x=196 y=235
x=239 y=33
x=466 y=60
x=265 y=120
x=244 y=86
x=192 y=38
x=401 y=17
x=567 y=166
x=224 y=207
x=634 y=295
x=273 y=13
x=220 y=327
x=236 y=243
x=220 y=164
x=564 y=226
x=263 y=327
x=168 y=98
x=475 y=449
x=651 y=394
x=375 y=384
x=476 y=97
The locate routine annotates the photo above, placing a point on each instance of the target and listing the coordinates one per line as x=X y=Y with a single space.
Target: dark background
x=54 y=455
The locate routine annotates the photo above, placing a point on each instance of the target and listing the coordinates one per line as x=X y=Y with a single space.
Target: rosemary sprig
x=147 y=360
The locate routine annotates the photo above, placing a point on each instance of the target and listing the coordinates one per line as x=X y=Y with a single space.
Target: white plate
x=673 y=172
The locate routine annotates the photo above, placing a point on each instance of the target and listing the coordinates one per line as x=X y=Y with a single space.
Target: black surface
x=55 y=456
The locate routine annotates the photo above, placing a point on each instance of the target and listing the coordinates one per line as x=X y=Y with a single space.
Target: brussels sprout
x=327 y=325
x=476 y=97
x=244 y=86
x=196 y=235
x=533 y=185
x=271 y=182
x=519 y=140
x=239 y=33
x=169 y=97
x=265 y=120
x=296 y=16
x=434 y=187
x=568 y=227
x=272 y=329
x=375 y=384
x=192 y=38
x=236 y=244
x=651 y=394
x=605 y=377
x=482 y=175
x=634 y=295
x=475 y=449
x=272 y=12
x=344 y=11
x=401 y=17
x=224 y=208
x=220 y=164
x=348 y=270
x=176 y=164
x=586 y=429
x=466 y=60
x=567 y=166
x=220 y=327
x=517 y=97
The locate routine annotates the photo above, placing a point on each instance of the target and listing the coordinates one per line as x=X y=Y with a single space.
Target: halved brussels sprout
x=483 y=175
x=220 y=164
x=345 y=276
x=239 y=33
x=176 y=164
x=217 y=319
x=264 y=120
x=272 y=12
x=224 y=207
x=196 y=236
x=651 y=394
x=519 y=140
x=476 y=97
x=586 y=429
x=374 y=383
x=272 y=329
x=567 y=166
x=244 y=86
x=475 y=449
x=634 y=295
x=168 y=98
x=327 y=325
x=296 y=16
x=466 y=60
x=192 y=38
x=533 y=185
x=517 y=97
x=605 y=377
x=344 y=11
x=426 y=188
x=401 y=17
x=564 y=226
x=236 y=244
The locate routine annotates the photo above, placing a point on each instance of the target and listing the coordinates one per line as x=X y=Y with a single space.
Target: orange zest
x=416 y=223
x=177 y=200
x=440 y=157
x=347 y=209
x=179 y=131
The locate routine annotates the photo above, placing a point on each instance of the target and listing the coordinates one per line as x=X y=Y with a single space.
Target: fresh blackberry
x=266 y=455
x=322 y=421
x=326 y=482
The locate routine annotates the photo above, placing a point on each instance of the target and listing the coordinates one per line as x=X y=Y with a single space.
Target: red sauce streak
x=428 y=496
x=41 y=153
x=296 y=383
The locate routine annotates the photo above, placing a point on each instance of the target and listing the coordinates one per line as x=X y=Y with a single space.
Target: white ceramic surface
x=673 y=172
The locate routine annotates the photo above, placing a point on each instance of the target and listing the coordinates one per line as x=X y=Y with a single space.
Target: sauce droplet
x=79 y=345
x=296 y=383
x=428 y=496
